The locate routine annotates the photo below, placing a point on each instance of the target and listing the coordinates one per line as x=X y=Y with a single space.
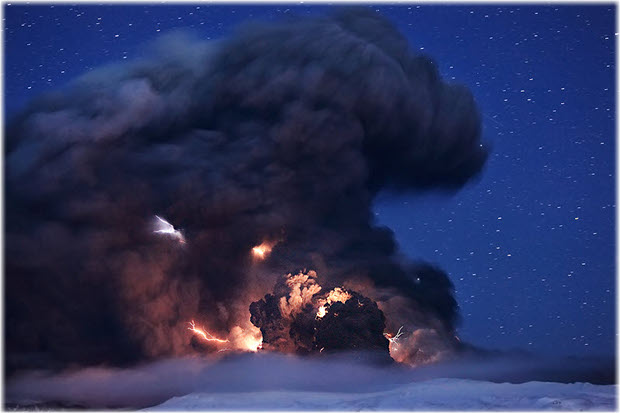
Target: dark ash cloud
x=284 y=131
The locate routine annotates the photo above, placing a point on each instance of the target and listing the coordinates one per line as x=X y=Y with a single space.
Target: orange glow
x=248 y=338
x=250 y=343
x=204 y=334
x=337 y=294
x=394 y=346
x=238 y=339
x=262 y=251
x=303 y=287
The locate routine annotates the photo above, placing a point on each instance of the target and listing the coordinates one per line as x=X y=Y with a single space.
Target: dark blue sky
x=530 y=246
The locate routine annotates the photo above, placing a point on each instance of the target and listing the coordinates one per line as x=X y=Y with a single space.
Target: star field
x=530 y=245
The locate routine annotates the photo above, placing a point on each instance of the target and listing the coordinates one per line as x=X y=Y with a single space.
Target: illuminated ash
x=336 y=295
x=237 y=339
x=205 y=335
x=164 y=227
x=394 y=339
x=302 y=289
x=301 y=317
x=263 y=250
x=347 y=325
x=423 y=346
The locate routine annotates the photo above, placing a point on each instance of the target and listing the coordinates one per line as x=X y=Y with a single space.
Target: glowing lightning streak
x=204 y=334
x=396 y=337
x=166 y=228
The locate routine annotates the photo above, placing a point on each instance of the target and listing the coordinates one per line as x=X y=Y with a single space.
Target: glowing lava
x=204 y=334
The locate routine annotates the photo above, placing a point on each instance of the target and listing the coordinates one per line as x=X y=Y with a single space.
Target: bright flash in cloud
x=164 y=227
x=204 y=334
x=262 y=250
x=396 y=337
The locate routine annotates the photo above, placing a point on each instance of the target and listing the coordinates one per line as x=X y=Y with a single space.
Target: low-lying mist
x=153 y=383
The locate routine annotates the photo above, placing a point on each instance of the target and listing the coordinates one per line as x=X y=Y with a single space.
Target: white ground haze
x=281 y=382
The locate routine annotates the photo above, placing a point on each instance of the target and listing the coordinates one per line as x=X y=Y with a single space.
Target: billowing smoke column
x=300 y=317
x=280 y=137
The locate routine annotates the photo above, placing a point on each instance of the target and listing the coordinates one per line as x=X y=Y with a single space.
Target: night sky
x=530 y=245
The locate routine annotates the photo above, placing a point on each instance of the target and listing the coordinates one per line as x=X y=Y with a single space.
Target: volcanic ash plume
x=285 y=132
x=300 y=317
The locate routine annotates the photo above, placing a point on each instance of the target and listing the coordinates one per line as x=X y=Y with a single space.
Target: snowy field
x=437 y=394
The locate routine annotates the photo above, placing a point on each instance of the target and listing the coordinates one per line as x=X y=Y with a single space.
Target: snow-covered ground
x=436 y=394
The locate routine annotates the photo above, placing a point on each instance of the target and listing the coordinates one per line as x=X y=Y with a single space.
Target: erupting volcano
x=306 y=320
x=282 y=131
